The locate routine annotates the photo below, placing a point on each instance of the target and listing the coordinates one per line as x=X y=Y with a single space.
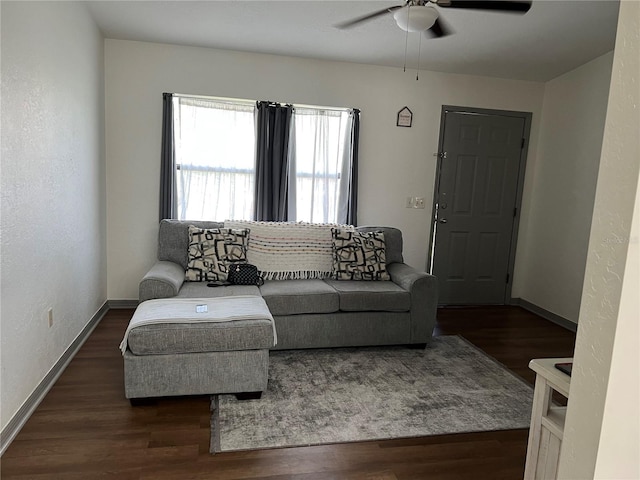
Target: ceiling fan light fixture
x=415 y=18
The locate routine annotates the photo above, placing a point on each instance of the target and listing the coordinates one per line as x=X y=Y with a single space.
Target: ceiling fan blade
x=509 y=6
x=371 y=16
x=439 y=29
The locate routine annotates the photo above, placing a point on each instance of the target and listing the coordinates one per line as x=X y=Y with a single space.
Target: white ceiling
x=554 y=37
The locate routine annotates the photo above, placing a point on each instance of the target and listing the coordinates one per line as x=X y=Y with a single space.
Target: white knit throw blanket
x=287 y=250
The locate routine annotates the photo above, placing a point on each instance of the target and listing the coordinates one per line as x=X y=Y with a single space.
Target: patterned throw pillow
x=212 y=251
x=358 y=255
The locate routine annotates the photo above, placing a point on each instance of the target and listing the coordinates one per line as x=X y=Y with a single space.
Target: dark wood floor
x=86 y=429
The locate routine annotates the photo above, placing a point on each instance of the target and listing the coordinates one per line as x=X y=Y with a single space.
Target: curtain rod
x=253 y=102
x=319 y=107
x=217 y=99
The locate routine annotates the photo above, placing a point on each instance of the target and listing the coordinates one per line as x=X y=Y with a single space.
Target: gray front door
x=481 y=158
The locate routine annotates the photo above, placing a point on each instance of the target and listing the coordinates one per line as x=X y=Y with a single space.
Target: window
x=320 y=166
x=214 y=158
x=209 y=162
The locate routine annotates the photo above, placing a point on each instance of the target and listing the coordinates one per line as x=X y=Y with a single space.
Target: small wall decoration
x=405 y=116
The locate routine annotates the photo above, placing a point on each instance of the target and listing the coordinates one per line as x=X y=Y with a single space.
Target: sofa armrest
x=163 y=280
x=423 y=289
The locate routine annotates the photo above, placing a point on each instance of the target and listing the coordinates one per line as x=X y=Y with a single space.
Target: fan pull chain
x=419 y=48
x=406 y=42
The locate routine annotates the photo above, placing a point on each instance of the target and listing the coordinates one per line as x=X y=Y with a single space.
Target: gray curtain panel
x=353 y=185
x=272 y=148
x=168 y=193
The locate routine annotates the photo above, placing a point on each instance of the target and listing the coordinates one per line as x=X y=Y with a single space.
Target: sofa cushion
x=292 y=297
x=173 y=338
x=173 y=239
x=200 y=290
x=358 y=255
x=212 y=251
x=356 y=296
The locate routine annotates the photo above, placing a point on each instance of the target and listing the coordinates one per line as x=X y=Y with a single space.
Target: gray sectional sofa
x=172 y=358
x=314 y=313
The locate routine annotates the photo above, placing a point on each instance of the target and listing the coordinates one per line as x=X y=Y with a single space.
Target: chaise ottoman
x=195 y=346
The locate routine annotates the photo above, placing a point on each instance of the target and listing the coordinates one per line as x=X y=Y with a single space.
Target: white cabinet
x=547 y=420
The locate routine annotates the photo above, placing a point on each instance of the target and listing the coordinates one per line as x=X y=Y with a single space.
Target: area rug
x=356 y=394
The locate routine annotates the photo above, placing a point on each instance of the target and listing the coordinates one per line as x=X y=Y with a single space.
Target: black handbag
x=244 y=274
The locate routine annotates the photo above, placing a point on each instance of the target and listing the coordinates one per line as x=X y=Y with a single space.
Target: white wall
x=554 y=249
x=601 y=430
x=620 y=434
x=394 y=162
x=53 y=199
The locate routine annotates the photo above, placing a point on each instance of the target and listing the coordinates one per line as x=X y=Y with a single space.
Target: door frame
x=526 y=116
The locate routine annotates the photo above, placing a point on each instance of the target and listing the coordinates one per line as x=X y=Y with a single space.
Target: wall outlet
x=418 y=202
x=50 y=317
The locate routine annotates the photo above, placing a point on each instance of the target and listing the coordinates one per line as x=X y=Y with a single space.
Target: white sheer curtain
x=319 y=165
x=215 y=159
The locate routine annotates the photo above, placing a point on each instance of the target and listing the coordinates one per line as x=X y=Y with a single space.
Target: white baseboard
x=547 y=315
x=14 y=426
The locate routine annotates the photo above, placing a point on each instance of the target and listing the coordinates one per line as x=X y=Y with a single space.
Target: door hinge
x=515 y=212
x=522 y=143
x=507 y=278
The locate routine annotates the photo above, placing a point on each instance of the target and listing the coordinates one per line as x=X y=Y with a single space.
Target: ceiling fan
x=421 y=16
